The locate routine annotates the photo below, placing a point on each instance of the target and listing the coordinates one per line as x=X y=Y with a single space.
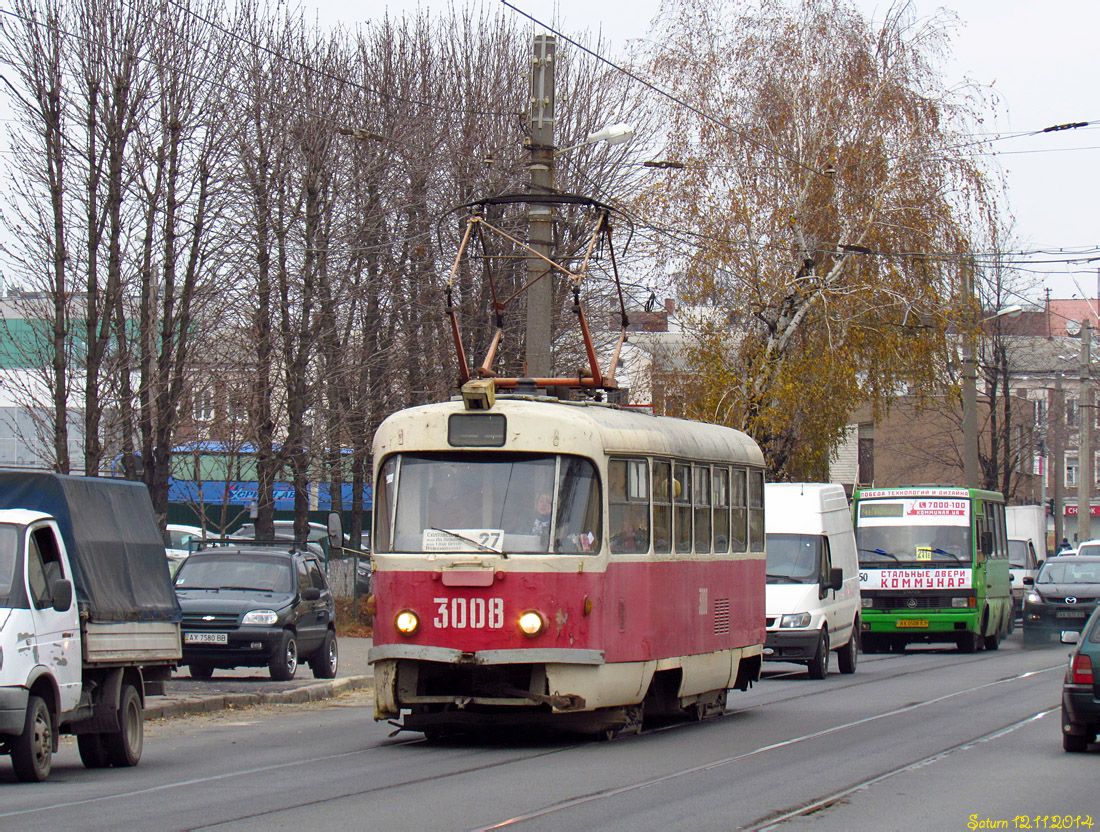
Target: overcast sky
x=1040 y=57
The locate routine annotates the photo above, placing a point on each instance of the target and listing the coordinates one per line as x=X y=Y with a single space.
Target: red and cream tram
x=567 y=563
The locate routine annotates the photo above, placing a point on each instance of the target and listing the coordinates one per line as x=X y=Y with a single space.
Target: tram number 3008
x=472 y=613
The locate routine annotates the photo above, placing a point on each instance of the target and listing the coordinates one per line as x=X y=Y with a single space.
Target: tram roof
x=612 y=429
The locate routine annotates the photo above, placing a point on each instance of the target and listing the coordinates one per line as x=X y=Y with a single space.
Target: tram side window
x=721 y=501
x=384 y=492
x=628 y=505
x=662 y=507
x=756 y=511
x=681 y=493
x=739 y=528
x=702 y=508
x=578 y=519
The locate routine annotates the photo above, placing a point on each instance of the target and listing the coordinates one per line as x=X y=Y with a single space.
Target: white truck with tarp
x=89 y=621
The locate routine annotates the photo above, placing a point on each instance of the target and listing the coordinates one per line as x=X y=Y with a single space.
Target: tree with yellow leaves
x=829 y=195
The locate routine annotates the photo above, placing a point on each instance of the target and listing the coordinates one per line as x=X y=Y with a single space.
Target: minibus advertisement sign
x=908 y=579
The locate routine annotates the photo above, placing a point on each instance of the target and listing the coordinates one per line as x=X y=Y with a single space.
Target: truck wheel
x=124 y=746
x=847 y=655
x=92 y=752
x=324 y=662
x=32 y=751
x=819 y=664
x=284 y=661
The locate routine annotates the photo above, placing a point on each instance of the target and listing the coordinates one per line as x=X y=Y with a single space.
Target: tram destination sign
x=475 y=430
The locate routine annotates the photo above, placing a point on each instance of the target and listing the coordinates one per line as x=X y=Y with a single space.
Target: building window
x=1071 y=412
x=1071 y=471
x=203 y=410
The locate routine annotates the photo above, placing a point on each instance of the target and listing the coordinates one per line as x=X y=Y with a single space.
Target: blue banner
x=243 y=493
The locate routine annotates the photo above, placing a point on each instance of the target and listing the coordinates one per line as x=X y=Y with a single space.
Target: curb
x=165 y=707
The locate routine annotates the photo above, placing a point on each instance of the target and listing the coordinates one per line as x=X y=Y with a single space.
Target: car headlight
x=531 y=623
x=264 y=617
x=407 y=622
x=796 y=619
x=1034 y=598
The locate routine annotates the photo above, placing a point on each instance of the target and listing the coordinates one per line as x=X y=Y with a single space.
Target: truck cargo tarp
x=116 y=549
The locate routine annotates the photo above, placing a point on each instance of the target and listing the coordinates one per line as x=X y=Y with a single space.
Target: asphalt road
x=931 y=739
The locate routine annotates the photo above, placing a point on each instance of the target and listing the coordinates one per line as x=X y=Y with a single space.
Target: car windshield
x=1018 y=555
x=179 y=539
x=488 y=502
x=1089 y=548
x=236 y=571
x=913 y=545
x=9 y=557
x=793 y=558
x=1070 y=572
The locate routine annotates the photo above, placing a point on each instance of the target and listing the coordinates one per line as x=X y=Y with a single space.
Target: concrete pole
x=540 y=295
x=1085 y=418
x=970 y=384
x=1056 y=419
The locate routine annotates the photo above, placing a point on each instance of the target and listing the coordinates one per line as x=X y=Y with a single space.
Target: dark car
x=1080 y=691
x=250 y=606
x=1061 y=597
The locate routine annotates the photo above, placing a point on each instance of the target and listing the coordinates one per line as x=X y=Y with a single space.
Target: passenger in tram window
x=629 y=529
x=447 y=509
x=544 y=506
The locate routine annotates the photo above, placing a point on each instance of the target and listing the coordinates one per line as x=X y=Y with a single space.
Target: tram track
x=618 y=791
x=521 y=757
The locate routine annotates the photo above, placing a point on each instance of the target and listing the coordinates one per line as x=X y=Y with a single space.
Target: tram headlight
x=531 y=623
x=407 y=622
x=797 y=619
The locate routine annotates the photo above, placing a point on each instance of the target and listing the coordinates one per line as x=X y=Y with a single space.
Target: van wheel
x=819 y=664
x=124 y=746
x=992 y=642
x=32 y=751
x=847 y=655
x=92 y=752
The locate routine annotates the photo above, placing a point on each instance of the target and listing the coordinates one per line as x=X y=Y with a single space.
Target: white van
x=813 y=599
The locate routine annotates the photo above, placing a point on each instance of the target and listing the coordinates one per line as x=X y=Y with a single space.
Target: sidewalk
x=244 y=687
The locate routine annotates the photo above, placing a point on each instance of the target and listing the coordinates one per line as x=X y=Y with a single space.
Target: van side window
x=826 y=565
x=628 y=505
x=43 y=566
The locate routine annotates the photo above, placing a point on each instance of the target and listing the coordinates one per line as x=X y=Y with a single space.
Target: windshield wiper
x=958 y=558
x=477 y=543
x=881 y=552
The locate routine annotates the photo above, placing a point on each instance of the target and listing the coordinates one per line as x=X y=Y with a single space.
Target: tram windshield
x=488 y=502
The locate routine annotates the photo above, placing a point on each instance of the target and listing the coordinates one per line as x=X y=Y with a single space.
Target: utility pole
x=970 y=383
x=1085 y=418
x=1057 y=418
x=540 y=292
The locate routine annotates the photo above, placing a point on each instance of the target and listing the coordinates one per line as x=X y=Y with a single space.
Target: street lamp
x=613 y=134
x=970 y=400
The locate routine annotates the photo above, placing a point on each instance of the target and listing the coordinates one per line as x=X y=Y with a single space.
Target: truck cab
x=39 y=634
x=88 y=620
